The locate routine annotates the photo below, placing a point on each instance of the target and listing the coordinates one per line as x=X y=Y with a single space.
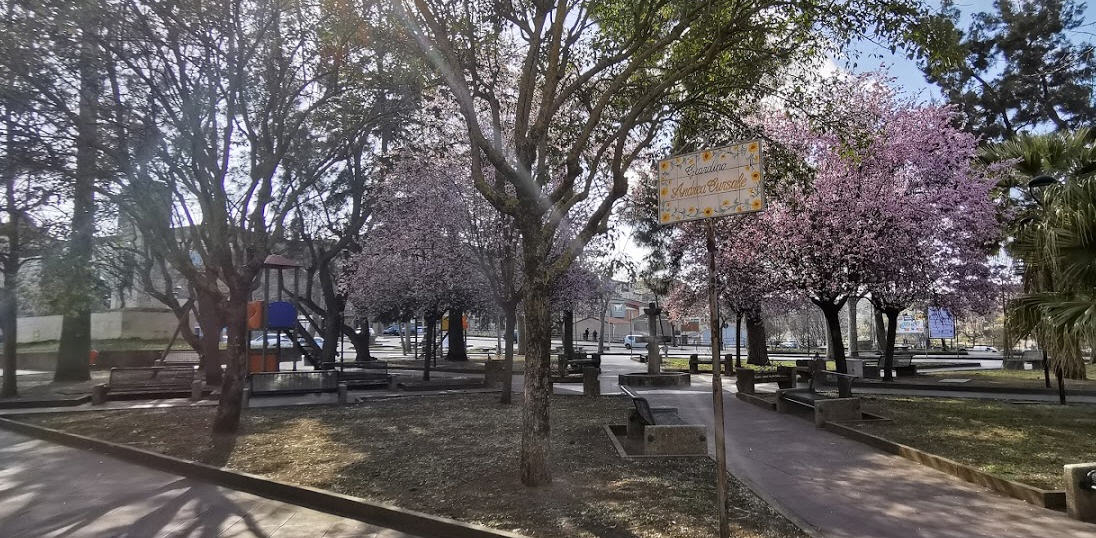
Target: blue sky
x=909 y=77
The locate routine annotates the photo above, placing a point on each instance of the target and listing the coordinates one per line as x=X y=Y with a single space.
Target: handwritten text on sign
x=711 y=183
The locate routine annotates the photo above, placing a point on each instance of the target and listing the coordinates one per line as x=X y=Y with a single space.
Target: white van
x=635 y=340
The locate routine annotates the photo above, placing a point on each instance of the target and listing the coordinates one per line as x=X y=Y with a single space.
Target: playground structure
x=280 y=317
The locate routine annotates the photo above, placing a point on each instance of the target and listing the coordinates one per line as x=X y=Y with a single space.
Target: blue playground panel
x=280 y=315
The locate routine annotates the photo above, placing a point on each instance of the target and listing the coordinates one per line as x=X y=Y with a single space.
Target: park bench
x=147 y=381
x=695 y=361
x=747 y=378
x=661 y=430
x=1033 y=356
x=826 y=408
x=567 y=367
x=362 y=374
x=582 y=360
x=301 y=381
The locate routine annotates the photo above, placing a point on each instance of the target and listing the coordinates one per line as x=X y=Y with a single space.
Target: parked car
x=391 y=330
x=982 y=350
x=272 y=340
x=635 y=340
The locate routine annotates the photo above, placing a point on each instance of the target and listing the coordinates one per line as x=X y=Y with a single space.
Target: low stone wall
x=47 y=361
x=139 y=323
x=1053 y=499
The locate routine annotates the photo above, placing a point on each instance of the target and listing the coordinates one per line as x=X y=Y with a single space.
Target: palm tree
x=1052 y=226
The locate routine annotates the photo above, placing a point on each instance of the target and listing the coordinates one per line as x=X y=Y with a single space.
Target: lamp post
x=1035 y=187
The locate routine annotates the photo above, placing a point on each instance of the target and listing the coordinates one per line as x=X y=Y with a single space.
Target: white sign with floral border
x=711 y=183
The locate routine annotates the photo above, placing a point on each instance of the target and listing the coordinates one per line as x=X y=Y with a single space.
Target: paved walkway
x=842 y=488
x=53 y=490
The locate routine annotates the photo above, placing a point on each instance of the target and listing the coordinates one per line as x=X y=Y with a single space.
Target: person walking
x=586 y=335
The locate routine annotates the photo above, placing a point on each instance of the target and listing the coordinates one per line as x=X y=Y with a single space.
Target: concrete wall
x=145 y=324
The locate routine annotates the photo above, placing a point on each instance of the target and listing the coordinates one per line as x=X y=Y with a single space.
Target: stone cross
x=654 y=361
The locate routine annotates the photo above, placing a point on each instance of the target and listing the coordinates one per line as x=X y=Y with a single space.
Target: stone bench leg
x=99 y=394
x=196 y=390
x=674 y=439
x=836 y=410
x=245 y=398
x=343 y=393
x=635 y=425
x=1080 y=501
x=781 y=403
x=744 y=380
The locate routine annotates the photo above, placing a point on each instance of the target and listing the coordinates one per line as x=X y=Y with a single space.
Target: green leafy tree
x=1054 y=238
x=593 y=85
x=1016 y=68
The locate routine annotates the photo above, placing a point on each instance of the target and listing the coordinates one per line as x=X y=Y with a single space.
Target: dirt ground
x=457 y=456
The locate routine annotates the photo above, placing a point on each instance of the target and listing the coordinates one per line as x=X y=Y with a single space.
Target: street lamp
x=1036 y=185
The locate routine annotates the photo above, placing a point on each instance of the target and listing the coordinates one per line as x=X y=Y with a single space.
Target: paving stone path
x=52 y=490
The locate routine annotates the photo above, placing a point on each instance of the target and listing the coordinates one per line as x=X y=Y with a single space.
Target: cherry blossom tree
x=895 y=203
x=416 y=261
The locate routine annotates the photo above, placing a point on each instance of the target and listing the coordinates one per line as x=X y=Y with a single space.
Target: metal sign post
x=704 y=185
x=717 y=388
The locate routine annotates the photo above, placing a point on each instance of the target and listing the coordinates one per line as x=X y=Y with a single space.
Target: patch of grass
x=1021 y=378
x=683 y=364
x=457 y=456
x=121 y=344
x=1028 y=443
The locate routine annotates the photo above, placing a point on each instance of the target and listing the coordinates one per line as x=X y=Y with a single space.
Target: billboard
x=941 y=324
x=711 y=183
x=911 y=322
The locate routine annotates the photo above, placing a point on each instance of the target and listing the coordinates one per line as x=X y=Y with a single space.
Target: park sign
x=711 y=183
x=941 y=324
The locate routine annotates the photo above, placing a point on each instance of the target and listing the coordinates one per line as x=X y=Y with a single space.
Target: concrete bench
x=362 y=374
x=299 y=382
x=661 y=429
x=148 y=381
x=826 y=408
x=581 y=360
x=747 y=378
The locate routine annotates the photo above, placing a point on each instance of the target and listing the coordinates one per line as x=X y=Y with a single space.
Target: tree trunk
x=757 y=352
x=75 y=346
x=880 y=330
x=9 y=306
x=211 y=319
x=458 y=350
x=831 y=312
x=738 y=340
x=568 y=334
x=227 y=420
x=535 y=456
x=8 y=311
x=429 y=348
x=888 y=343
x=508 y=365
x=601 y=329
x=522 y=339
x=853 y=344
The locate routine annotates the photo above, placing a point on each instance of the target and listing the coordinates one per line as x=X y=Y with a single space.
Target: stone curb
x=1052 y=499
x=383 y=515
x=868 y=385
x=60 y=402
